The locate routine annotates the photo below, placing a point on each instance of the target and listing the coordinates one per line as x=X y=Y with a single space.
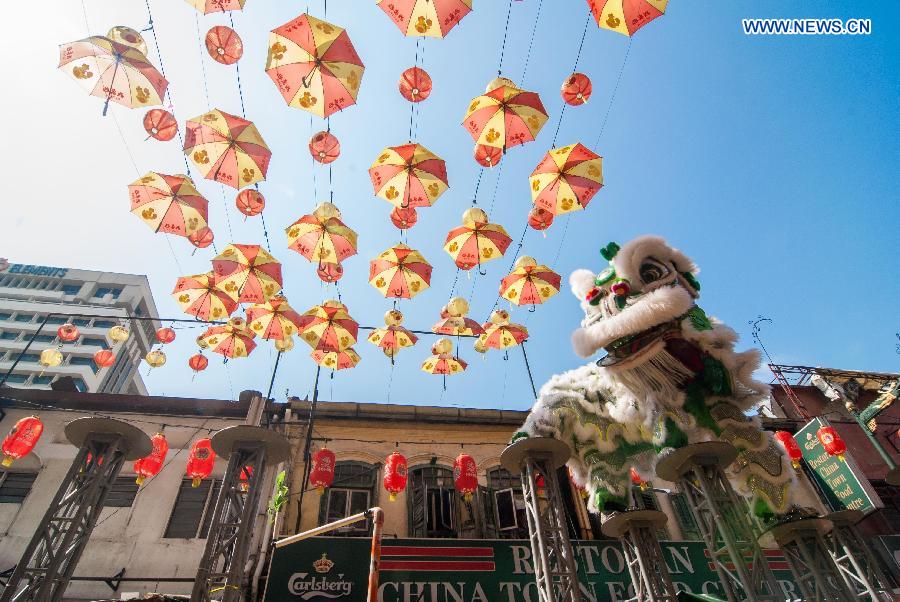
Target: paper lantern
x=150 y=466
x=442 y=346
x=160 y=124
x=457 y=307
x=67 y=333
x=487 y=156
x=395 y=474
x=638 y=481
x=156 y=358
x=201 y=461
x=540 y=219
x=330 y=272
x=198 y=362
x=832 y=442
x=576 y=89
x=244 y=477
x=324 y=147
x=322 y=473
x=224 y=45
x=104 y=358
x=404 y=217
x=250 y=202
x=165 y=335
x=465 y=475
x=790 y=446
x=202 y=238
x=21 y=439
x=415 y=84
x=118 y=334
x=50 y=358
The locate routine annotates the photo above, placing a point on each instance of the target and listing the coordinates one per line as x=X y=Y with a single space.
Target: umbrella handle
x=484 y=273
x=532 y=309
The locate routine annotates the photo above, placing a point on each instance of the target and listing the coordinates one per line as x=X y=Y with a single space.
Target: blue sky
x=769 y=160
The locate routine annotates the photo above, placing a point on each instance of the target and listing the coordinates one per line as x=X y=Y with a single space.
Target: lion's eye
x=652 y=270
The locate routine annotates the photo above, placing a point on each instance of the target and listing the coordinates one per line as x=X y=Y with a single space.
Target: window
x=890 y=495
x=102 y=292
x=431 y=502
x=84 y=361
x=9 y=336
x=122 y=493
x=689 y=529
x=92 y=342
x=44 y=338
x=504 y=506
x=17 y=378
x=79 y=385
x=71 y=289
x=14 y=486
x=103 y=324
x=646 y=500
x=30 y=357
x=352 y=492
x=56 y=320
x=193 y=509
x=81 y=322
x=42 y=380
x=5 y=316
x=24 y=317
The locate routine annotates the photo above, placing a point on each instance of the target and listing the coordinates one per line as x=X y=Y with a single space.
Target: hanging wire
x=477 y=186
x=237 y=70
x=537 y=17
x=202 y=62
x=225 y=207
x=613 y=96
x=505 y=32
x=496 y=186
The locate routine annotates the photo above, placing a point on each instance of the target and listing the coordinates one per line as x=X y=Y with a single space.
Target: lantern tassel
x=195 y=482
x=7 y=460
x=392 y=497
x=140 y=480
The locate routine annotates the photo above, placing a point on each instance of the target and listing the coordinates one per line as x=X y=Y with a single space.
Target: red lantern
x=324 y=147
x=201 y=461
x=322 y=473
x=104 y=358
x=832 y=442
x=246 y=473
x=150 y=466
x=21 y=439
x=638 y=481
x=160 y=124
x=330 y=272
x=404 y=217
x=465 y=475
x=198 y=362
x=224 y=45
x=487 y=156
x=67 y=333
x=576 y=89
x=790 y=446
x=165 y=335
x=415 y=84
x=539 y=218
x=202 y=238
x=250 y=202
x=395 y=474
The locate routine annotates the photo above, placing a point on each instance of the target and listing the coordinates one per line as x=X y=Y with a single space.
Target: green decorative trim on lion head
x=610 y=250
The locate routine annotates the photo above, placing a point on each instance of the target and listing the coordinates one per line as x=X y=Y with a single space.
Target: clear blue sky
x=772 y=161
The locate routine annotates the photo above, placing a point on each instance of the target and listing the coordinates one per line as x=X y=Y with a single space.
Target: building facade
x=36 y=300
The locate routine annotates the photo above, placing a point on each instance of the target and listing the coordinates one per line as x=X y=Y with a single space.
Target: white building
x=33 y=295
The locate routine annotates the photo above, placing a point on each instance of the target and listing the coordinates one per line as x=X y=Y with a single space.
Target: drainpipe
x=263 y=550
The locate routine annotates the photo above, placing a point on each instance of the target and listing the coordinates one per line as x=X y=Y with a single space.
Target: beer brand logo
x=310 y=586
x=323 y=565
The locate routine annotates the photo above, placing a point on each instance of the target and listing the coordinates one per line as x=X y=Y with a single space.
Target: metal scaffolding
x=46 y=566
x=220 y=575
x=813 y=567
x=636 y=529
x=853 y=557
x=730 y=536
x=555 y=570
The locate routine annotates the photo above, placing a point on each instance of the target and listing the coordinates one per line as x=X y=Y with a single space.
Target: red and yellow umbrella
x=321 y=236
x=169 y=204
x=336 y=360
x=247 y=273
x=275 y=319
x=503 y=336
x=529 y=283
x=198 y=296
x=400 y=272
x=394 y=336
x=442 y=361
x=113 y=71
x=216 y=6
x=433 y=18
x=409 y=176
x=454 y=321
x=314 y=65
x=328 y=327
x=227 y=149
x=476 y=241
x=505 y=116
x=626 y=16
x=566 y=179
x=231 y=340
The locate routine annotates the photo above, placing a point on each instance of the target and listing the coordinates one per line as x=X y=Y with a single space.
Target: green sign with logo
x=837 y=479
x=467 y=570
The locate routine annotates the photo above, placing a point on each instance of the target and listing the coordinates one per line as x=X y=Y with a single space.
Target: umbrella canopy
x=321 y=236
x=216 y=6
x=626 y=16
x=409 y=176
x=169 y=204
x=400 y=272
x=433 y=18
x=231 y=340
x=274 y=319
x=329 y=327
x=505 y=116
x=247 y=273
x=392 y=339
x=336 y=360
x=314 y=65
x=227 y=149
x=529 y=283
x=198 y=296
x=454 y=321
x=566 y=179
x=476 y=241
x=503 y=336
x=113 y=71
x=442 y=361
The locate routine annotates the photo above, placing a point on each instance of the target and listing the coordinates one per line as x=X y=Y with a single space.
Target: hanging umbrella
x=227 y=149
x=129 y=37
x=169 y=204
x=626 y=16
x=400 y=272
x=394 y=336
x=328 y=327
x=216 y=6
x=321 y=236
x=113 y=71
x=442 y=361
x=454 y=321
x=433 y=18
x=529 y=283
x=566 y=179
x=476 y=241
x=198 y=296
x=274 y=319
x=503 y=336
x=247 y=273
x=314 y=65
x=231 y=340
x=336 y=360
x=409 y=176
x=505 y=116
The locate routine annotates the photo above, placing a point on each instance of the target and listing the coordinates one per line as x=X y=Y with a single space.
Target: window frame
x=363 y=477
x=209 y=503
x=421 y=478
x=4 y=477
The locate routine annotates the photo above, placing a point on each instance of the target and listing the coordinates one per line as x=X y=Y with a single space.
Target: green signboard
x=837 y=479
x=443 y=570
